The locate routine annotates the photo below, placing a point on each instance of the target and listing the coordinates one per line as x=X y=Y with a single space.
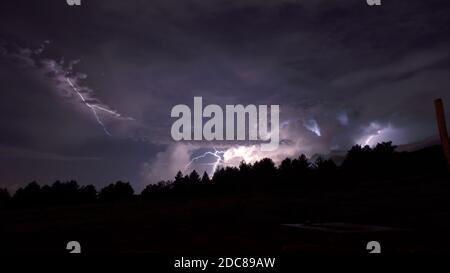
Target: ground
x=408 y=215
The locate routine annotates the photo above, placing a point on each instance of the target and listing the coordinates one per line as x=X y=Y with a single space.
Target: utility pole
x=442 y=126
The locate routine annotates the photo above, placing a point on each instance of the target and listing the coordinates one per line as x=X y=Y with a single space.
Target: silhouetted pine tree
x=205 y=179
x=117 y=191
x=5 y=198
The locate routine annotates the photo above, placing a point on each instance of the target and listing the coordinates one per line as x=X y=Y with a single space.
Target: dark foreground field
x=405 y=216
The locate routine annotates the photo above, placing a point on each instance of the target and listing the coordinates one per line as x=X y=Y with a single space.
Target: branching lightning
x=94 y=108
x=117 y=115
x=217 y=154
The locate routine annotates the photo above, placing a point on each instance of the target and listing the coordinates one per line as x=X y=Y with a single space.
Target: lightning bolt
x=369 y=139
x=93 y=108
x=217 y=154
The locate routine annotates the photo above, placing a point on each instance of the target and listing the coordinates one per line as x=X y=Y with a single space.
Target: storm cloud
x=343 y=73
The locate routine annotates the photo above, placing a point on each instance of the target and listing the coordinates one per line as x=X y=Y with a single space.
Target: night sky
x=86 y=92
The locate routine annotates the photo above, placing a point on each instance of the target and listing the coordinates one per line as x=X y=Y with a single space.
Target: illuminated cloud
x=313 y=126
x=342 y=118
x=333 y=67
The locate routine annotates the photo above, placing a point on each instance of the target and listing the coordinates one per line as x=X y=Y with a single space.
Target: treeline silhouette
x=360 y=164
x=64 y=193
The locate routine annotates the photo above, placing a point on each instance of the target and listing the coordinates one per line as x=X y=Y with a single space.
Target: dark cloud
x=357 y=72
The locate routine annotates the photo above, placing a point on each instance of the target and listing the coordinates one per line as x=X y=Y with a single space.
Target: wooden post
x=442 y=126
